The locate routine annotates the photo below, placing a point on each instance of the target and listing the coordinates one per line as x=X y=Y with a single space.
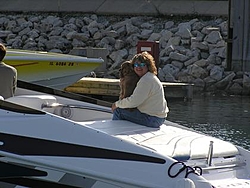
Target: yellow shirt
x=148 y=97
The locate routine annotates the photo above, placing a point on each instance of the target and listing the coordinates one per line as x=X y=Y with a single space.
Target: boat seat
x=170 y=139
x=183 y=144
x=33 y=101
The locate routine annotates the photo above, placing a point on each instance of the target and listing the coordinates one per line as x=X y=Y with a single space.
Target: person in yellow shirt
x=148 y=98
x=8 y=76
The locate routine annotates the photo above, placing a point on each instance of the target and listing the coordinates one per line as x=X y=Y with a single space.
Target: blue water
x=227 y=118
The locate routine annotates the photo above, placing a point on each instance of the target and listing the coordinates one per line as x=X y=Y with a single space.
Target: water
x=227 y=118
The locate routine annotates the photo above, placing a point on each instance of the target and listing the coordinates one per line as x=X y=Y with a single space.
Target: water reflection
x=227 y=118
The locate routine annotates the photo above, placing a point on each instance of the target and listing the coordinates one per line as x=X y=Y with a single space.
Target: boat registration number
x=62 y=63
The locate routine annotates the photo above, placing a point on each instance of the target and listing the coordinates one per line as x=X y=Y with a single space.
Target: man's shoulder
x=6 y=66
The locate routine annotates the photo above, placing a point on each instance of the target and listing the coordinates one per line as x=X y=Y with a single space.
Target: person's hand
x=113 y=107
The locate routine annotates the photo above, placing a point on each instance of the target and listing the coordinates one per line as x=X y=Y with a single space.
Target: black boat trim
x=19 y=108
x=23 y=145
x=35 y=183
x=10 y=170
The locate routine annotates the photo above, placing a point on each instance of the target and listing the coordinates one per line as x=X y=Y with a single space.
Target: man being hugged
x=148 y=98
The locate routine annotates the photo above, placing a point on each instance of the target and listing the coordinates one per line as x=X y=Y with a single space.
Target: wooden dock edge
x=110 y=87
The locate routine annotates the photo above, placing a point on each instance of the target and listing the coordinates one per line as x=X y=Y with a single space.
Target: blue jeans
x=135 y=116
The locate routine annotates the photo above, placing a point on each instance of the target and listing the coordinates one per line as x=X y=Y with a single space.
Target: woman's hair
x=147 y=58
x=2 y=51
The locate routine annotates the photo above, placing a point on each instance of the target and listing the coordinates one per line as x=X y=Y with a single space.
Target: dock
x=107 y=88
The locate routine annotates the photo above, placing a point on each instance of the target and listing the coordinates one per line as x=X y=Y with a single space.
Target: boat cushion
x=170 y=139
x=33 y=101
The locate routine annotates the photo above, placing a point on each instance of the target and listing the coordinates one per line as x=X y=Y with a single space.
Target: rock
x=118 y=58
x=222 y=84
x=209 y=81
x=174 y=41
x=24 y=31
x=199 y=84
x=170 y=69
x=184 y=31
x=192 y=51
x=213 y=37
x=197 y=72
x=201 y=63
x=177 y=64
x=191 y=61
x=216 y=73
x=178 y=56
x=200 y=45
x=119 y=44
x=169 y=24
x=235 y=89
x=154 y=37
x=246 y=83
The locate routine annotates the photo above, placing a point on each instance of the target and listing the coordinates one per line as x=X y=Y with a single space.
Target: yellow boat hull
x=50 y=69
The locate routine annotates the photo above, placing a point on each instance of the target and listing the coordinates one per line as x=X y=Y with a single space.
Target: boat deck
x=244 y=183
x=170 y=139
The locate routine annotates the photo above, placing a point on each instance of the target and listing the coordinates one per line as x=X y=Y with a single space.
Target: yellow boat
x=50 y=69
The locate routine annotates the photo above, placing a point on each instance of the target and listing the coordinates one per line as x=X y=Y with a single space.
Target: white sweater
x=148 y=97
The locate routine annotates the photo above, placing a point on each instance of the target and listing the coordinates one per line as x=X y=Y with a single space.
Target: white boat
x=50 y=69
x=52 y=138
